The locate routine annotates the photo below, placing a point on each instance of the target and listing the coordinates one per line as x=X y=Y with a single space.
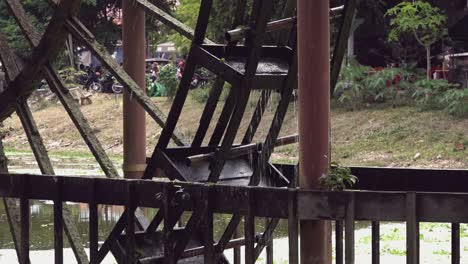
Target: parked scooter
x=90 y=79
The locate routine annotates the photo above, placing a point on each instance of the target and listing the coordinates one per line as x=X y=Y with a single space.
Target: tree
x=420 y=20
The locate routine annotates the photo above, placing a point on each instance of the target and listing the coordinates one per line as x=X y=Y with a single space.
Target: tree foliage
x=96 y=15
x=419 y=19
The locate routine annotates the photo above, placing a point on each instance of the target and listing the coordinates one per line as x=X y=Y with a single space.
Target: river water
x=435 y=238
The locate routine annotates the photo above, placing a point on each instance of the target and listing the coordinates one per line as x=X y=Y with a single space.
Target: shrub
x=350 y=89
x=456 y=102
x=386 y=85
x=428 y=93
x=439 y=94
x=70 y=76
x=201 y=94
x=168 y=78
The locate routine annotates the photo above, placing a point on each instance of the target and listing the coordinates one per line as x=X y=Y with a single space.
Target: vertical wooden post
x=314 y=116
x=58 y=224
x=339 y=241
x=24 y=222
x=130 y=228
x=134 y=55
x=293 y=228
x=375 y=242
x=455 y=243
x=93 y=226
x=412 y=229
x=249 y=230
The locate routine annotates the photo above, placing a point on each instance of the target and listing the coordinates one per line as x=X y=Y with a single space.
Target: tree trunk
x=428 y=61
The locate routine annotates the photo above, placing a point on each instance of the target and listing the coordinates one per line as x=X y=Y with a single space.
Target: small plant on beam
x=338 y=178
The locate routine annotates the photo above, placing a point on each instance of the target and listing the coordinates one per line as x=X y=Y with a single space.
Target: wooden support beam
x=73 y=109
x=11 y=207
x=67 y=100
x=169 y=20
x=79 y=31
x=208 y=112
x=13 y=68
x=340 y=46
x=48 y=48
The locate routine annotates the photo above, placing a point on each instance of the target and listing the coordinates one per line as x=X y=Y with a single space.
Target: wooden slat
x=223 y=120
x=80 y=121
x=260 y=109
x=383 y=206
x=93 y=225
x=130 y=250
x=375 y=242
x=349 y=230
x=208 y=230
x=408 y=179
x=11 y=208
x=455 y=243
x=208 y=112
x=24 y=221
x=293 y=228
x=168 y=227
x=339 y=241
x=249 y=231
x=185 y=82
x=169 y=21
x=412 y=229
x=58 y=224
x=237 y=250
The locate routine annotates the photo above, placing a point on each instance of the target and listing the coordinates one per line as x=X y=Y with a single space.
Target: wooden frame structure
x=392 y=195
x=442 y=203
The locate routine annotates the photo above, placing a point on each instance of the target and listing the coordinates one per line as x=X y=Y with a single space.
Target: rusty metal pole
x=134 y=55
x=314 y=116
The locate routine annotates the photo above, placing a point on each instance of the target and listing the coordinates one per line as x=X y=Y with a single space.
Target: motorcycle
x=90 y=80
x=198 y=80
x=110 y=85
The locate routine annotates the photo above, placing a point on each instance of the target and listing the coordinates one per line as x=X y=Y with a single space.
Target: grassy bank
x=398 y=137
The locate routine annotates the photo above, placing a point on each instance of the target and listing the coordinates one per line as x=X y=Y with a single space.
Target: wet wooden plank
x=412 y=229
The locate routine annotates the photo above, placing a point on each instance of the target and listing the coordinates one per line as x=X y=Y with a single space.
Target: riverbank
x=390 y=137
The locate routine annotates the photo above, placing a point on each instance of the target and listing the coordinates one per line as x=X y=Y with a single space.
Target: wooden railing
x=410 y=205
x=250 y=202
